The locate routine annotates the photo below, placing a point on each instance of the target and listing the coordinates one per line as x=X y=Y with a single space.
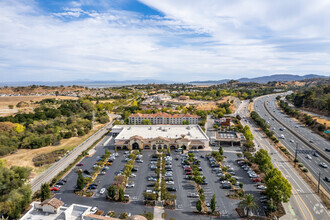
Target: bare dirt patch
x=210 y=105
x=24 y=157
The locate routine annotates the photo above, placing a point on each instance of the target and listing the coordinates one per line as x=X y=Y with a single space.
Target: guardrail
x=306 y=142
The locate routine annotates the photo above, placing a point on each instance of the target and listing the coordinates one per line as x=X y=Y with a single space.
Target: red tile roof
x=164 y=115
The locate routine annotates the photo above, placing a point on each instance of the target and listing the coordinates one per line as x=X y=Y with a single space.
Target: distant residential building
x=160 y=97
x=223 y=122
x=183 y=97
x=163 y=118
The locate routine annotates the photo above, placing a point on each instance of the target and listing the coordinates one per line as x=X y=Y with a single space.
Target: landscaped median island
x=161 y=189
x=116 y=191
x=85 y=179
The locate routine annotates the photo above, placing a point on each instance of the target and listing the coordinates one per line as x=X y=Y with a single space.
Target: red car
x=256 y=180
x=187 y=169
x=188 y=173
x=54 y=188
x=80 y=164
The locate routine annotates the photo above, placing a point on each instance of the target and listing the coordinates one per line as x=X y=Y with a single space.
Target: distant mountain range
x=264 y=79
x=88 y=83
x=111 y=83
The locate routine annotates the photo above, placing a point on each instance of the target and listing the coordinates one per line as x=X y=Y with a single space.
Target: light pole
x=295 y=156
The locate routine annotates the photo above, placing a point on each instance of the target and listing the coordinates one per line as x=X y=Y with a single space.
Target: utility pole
x=295 y=156
x=318 y=185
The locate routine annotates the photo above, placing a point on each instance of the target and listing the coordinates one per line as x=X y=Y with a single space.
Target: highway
x=60 y=165
x=304 y=203
x=299 y=136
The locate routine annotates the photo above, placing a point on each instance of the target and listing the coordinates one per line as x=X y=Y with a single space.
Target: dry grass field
x=5 y=101
x=23 y=157
x=210 y=105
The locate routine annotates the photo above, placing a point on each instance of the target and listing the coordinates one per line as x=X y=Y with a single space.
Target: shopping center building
x=129 y=137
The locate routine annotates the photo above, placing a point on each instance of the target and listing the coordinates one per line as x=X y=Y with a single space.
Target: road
x=304 y=203
x=60 y=165
x=293 y=140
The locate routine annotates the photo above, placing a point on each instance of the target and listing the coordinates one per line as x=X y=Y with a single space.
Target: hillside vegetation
x=51 y=122
x=314 y=98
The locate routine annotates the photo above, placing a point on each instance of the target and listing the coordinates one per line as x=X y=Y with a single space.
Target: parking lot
x=185 y=188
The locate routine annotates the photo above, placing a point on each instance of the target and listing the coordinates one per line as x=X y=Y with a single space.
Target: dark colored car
x=150 y=184
x=134 y=169
x=327 y=179
x=92 y=187
x=80 y=164
x=173 y=189
x=327 y=149
x=226 y=186
x=60 y=182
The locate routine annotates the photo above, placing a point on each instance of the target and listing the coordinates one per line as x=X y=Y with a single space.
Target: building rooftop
x=165 y=115
x=191 y=132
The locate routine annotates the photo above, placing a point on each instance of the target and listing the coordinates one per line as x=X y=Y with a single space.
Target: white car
x=170 y=182
x=93 y=210
x=132 y=175
x=102 y=191
x=309 y=157
x=129 y=185
x=324 y=165
x=292 y=141
x=261 y=187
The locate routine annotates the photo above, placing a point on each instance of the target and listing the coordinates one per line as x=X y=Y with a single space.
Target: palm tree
x=249 y=203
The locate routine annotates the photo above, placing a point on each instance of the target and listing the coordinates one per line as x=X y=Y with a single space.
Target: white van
x=282 y=136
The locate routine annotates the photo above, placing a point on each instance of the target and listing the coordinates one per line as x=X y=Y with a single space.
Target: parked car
x=324 y=165
x=92 y=187
x=102 y=191
x=309 y=157
x=93 y=210
x=54 y=188
x=256 y=180
x=134 y=169
x=327 y=179
x=170 y=182
x=173 y=189
x=132 y=175
x=80 y=164
x=130 y=185
x=315 y=154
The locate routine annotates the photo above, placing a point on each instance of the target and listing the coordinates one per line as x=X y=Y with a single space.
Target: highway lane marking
x=293 y=194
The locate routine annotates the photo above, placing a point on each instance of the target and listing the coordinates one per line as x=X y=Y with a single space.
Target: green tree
x=45 y=192
x=221 y=150
x=123 y=215
x=278 y=187
x=213 y=203
x=148 y=215
x=111 y=191
x=185 y=122
x=199 y=205
x=146 y=122
x=248 y=203
x=121 y=195
x=80 y=181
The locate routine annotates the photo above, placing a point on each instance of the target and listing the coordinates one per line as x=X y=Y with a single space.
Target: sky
x=171 y=40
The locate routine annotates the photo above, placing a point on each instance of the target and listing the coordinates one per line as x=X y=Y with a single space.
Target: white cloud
x=196 y=40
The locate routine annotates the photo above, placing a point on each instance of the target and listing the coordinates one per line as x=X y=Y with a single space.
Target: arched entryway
x=147 y=147
x=200 y=147
x=154 y=147
x=159 y=146
x=118 y=147
x=193 y=147
x=135 y=146
x=172 y=147
x=165 y=146
x=184 y=147
x=125 y=148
